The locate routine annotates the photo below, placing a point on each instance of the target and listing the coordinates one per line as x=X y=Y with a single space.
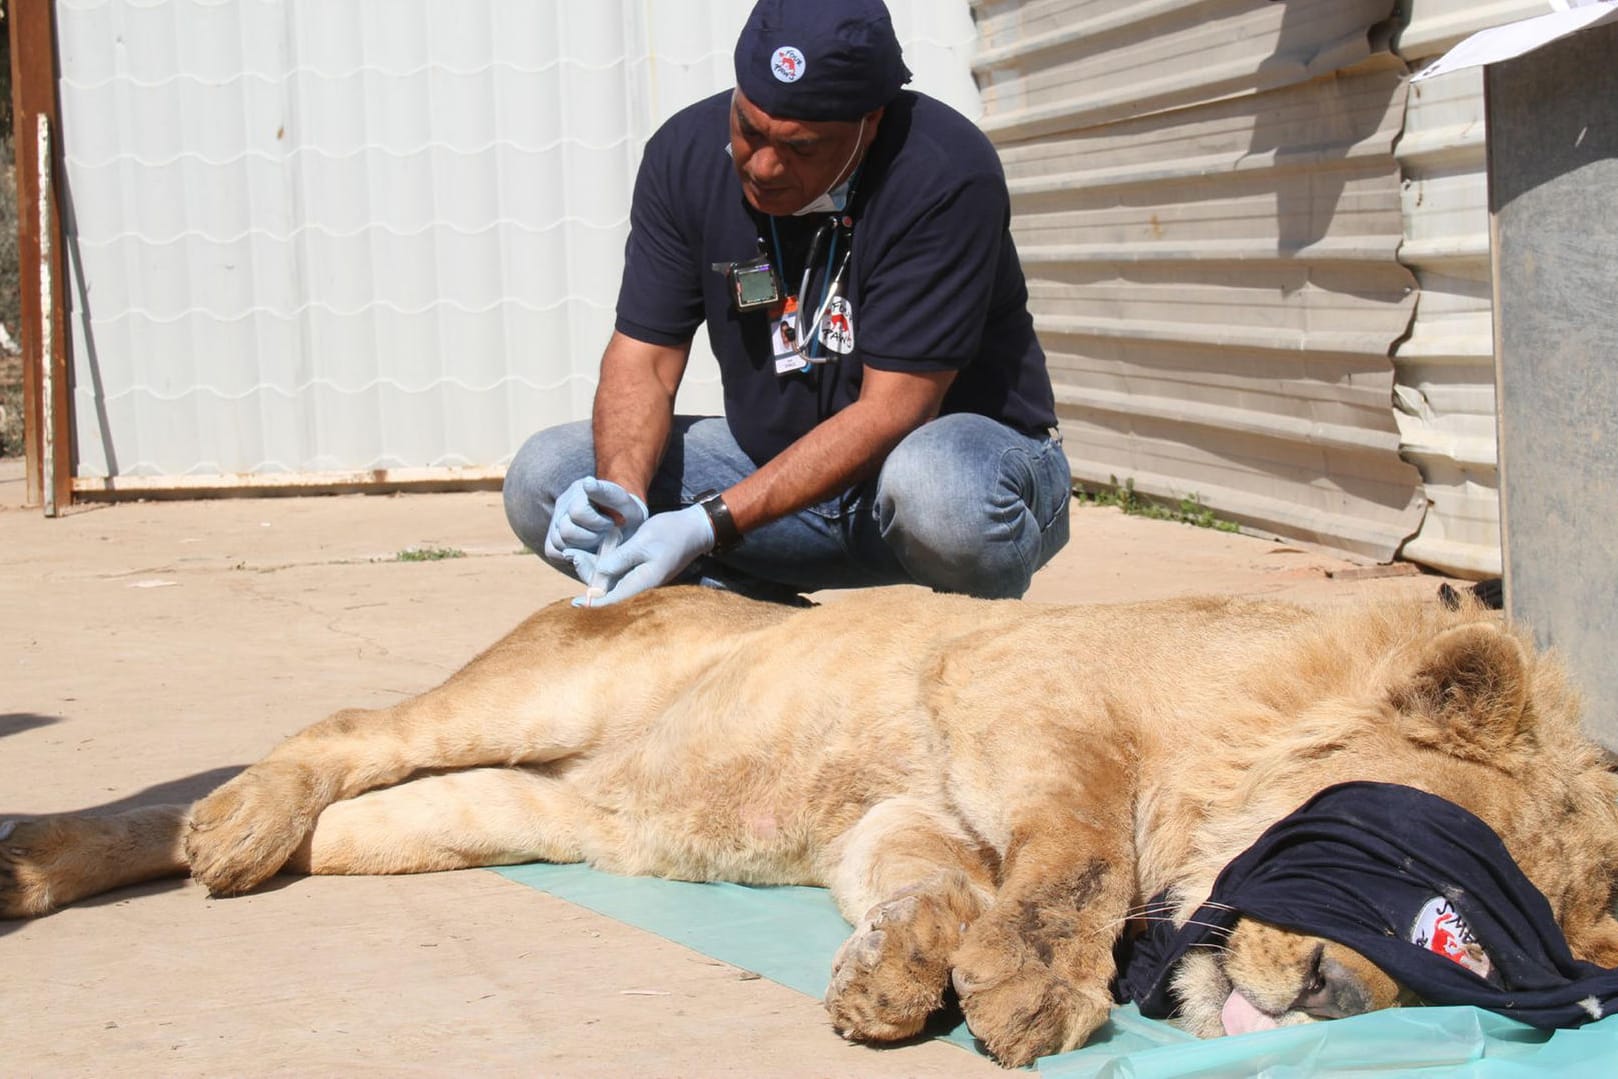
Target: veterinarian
x=888 y=413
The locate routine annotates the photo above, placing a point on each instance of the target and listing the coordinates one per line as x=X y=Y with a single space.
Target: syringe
x=598 y=584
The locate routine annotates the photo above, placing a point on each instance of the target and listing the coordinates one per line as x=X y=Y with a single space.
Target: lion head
x=1454 y=704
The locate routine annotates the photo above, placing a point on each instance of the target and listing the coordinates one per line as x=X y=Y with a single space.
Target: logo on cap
x=787 y=64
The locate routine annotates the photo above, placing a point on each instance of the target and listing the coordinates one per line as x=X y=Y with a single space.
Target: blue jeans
x=963 y=504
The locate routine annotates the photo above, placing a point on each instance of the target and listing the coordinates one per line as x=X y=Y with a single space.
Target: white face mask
x=835 y=198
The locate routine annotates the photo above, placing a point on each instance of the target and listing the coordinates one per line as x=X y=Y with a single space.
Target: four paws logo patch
x=1440 y=928
x=837 y=326
x=787 y=64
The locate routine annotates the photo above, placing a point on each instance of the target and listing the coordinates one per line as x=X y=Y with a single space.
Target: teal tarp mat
x=789 y=935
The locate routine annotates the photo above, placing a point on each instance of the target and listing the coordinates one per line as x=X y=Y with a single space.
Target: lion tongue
x=1240 y=1017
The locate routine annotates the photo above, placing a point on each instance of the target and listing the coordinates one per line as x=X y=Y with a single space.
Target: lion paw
x=245 y=831
x=28 y=852
x=1025 y=1011
x=890 y=975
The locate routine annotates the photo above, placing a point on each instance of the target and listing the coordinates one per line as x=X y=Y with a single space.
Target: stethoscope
x=806 y=336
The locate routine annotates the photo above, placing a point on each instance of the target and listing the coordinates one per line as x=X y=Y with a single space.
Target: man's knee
x=969 y=507
x=538 y=474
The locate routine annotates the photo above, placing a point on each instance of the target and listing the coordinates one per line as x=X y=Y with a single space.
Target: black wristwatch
x=725 y=533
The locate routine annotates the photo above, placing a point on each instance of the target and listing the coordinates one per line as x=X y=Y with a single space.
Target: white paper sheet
x=1515 y=39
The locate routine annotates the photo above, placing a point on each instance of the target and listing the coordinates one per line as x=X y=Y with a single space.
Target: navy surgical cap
x=819 y=59
x=1416 y=884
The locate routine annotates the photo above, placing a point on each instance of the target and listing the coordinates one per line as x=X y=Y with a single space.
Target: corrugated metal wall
x=1208 y=206
x=313 y=238
x=1446 y=366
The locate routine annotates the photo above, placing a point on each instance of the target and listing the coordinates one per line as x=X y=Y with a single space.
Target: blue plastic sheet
x=790 y=935
x=1398 y=1042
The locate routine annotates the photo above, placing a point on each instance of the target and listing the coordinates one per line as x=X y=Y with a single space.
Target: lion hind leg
x=912 y=881
x=456 y=820
x=48 y=862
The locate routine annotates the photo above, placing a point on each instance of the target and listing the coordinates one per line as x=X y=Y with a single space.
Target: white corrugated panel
x=332 y=236
x=1207 y=204
x=1446 y=366
x=1432 y=26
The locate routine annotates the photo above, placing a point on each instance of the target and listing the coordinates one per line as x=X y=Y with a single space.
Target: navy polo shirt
x=933 y=282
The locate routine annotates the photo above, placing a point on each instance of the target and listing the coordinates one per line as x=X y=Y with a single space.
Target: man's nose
x=765 y=165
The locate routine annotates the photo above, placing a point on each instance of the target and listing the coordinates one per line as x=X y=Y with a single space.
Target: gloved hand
x=581 y=521
x=662 y=547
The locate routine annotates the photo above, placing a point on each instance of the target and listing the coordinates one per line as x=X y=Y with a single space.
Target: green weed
x=1189 y=510
x=429 y=554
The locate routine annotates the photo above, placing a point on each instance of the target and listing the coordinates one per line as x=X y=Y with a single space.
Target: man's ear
x=1467 y=693
x=872 y=119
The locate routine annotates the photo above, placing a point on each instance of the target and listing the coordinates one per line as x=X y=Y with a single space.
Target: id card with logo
x=784 y=340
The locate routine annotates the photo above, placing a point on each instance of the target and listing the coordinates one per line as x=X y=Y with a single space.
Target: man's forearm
x=630 y=427
x=843 y=450
x=835 y=455
x=633 y=411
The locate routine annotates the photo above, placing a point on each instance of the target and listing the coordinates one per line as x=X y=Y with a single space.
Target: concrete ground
x=152 y=649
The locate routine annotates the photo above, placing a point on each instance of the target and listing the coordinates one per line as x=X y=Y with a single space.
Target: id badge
x=784 y=340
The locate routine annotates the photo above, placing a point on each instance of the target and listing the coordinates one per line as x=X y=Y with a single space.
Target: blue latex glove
x=584 y=517
x=662 y=547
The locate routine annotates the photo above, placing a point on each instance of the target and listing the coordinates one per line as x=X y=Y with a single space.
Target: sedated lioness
x=989 y=789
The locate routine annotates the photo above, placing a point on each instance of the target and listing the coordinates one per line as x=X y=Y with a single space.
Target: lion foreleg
x=48 y=862
x=459 y=820
x=1034 y=971
x=911 y=881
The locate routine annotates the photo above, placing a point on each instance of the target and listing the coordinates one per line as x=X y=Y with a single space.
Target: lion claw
x=1027 y=1013
x=244 y=832
x=884 y=984
x=25 y=869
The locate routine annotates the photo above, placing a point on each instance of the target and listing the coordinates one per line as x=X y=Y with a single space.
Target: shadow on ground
x=17 y=722
x=188 y=789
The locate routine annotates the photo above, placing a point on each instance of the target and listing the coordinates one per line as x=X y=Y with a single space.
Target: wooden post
x=33 y=95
